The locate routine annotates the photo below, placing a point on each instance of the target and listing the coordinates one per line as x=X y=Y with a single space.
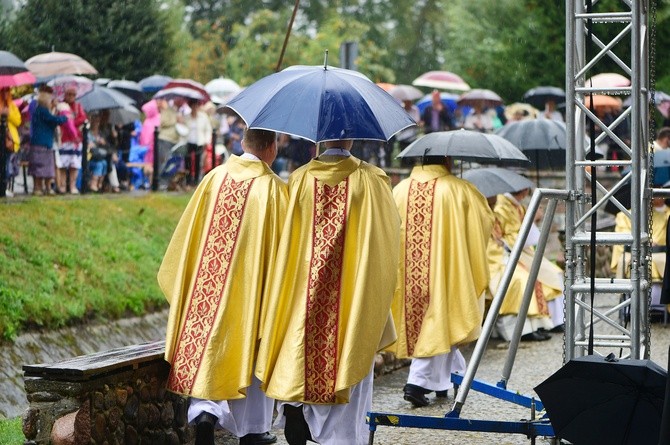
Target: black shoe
x=258 y=439
x=416 y=395
x=558 y=329
x=441 y=394
x=296 y=430
x=204 y=429
x=535 y=336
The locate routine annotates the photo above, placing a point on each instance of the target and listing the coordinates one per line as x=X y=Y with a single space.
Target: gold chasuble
x=328 y=309
x=509 y=216
x=214 y=275
x=443 y=272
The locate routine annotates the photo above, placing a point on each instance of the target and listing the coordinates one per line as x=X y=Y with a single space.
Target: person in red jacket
x=68 y=160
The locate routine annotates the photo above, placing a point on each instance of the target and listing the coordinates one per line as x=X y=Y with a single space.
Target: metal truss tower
x=586 y=50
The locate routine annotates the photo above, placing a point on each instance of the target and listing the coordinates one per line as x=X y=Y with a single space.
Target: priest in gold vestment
x=213 y=275
x=547 y=302
x=328 y=311
x=443 y=273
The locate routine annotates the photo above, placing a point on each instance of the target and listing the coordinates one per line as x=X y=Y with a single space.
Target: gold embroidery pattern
x=323 y=291
x=418 y=230
x=209 y=282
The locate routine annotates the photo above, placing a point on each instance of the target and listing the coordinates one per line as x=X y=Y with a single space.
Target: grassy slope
x=66 y=260
x=11 y=432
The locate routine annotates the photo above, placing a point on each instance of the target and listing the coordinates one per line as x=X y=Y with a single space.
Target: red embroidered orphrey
x=418 y=232
x=323 y=291
x=209 y=283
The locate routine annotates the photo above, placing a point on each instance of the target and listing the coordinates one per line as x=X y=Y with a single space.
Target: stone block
x=62 y=432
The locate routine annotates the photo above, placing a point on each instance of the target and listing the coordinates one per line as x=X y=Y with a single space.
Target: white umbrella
x=56 y=63
x=405 y=92
x=222 y=87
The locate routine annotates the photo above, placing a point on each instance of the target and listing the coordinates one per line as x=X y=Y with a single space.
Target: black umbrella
x=129 y=88
x=542 y=140
x=495 y=181
x=466 y=145
x=539 y=96
x=10 y=64
x=593 y=400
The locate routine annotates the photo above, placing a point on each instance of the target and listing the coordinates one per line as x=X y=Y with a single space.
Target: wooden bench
x=116 y=397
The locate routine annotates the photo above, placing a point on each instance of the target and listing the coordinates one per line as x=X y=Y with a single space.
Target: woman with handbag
x=41 y=159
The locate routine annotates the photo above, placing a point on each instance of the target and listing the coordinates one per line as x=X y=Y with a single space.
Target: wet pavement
x=535 y=362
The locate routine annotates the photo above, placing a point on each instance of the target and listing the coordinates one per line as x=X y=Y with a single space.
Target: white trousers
x=251 y=415
x=434 y=373
x=342 y=424
x=557 y=310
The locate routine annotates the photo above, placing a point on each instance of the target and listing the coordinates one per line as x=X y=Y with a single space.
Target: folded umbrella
x=321 y=103
x=492 y=181
x=594 y=400
x=466 y=145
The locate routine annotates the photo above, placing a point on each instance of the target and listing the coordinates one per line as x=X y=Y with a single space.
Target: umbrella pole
x=288 y=33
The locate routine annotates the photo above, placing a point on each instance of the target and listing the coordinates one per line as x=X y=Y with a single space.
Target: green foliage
x=131 y=39
x=69 y=260
x=10 y=432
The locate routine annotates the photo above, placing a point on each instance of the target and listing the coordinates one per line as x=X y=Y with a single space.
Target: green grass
x=63 y=261
x=11 y=432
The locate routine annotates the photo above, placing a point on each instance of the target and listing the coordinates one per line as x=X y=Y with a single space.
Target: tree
x=130 y=39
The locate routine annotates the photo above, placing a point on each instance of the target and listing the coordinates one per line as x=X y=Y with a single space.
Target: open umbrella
x=443 y=80
x=385 y=86
x=480 y=97
x=448 y=99
x=80 y=84
x=539 y=96
x=124 y=115
x=603 y=100
x=321 y=103
x=607 y=80
x=542 y=140
x=57 y=63
x=154 y=83
x=405 y=92
x=466 y=145
x=129 y=88
x=492 y=181
x=223 y=88
x=13 y=72
x=103 y=98
x=186 y=93
x=593 y=400
x=188 y=84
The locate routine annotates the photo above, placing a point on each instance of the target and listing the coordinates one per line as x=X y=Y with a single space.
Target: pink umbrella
x=443 y=80
x=481 y=97
x=60 y=84
x=607 y=80
x=15 y=80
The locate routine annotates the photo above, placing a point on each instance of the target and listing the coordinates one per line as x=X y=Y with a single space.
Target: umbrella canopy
x=188 y=84
x=480 y=97
x=321 y=103
x=222 y=87
x=129 y=88
x=542 y=140
x=603 y=100
x=15 y=80
x=186 y=93
x=10 y=64
x=607 y=80
x=604 y=400
x=103 y=98
x=443 y=80
x=405 y=92
x=154 y=83
x=56 y=63
x=539 y=96
x=385 y=86
x=494 y=181
x=124 y=115
x=520 y=111
x=80 y=84
x=449 y=100
x=466 y=145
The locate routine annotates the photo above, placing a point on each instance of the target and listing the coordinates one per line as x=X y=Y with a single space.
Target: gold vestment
x=214 y=274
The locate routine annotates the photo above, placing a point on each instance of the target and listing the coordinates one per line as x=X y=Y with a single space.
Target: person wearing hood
x=151 y=121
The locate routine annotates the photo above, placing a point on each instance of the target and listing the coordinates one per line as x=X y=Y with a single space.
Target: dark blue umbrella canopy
x=154 y=83
x=321 y=103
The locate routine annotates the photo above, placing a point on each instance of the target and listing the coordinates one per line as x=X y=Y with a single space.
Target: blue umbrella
x=448 y=99
x=154 y=83
x=321 y=103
